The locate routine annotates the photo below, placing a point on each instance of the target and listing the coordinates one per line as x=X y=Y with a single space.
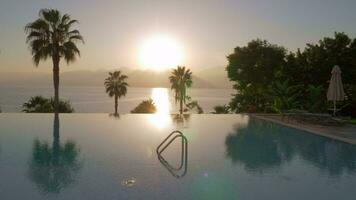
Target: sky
x=208 y=30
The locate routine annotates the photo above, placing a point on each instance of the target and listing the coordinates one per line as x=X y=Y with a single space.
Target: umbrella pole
x=334 y=108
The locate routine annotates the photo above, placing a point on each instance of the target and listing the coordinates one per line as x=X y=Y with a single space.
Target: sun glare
x=160 y=98
x=160 y=52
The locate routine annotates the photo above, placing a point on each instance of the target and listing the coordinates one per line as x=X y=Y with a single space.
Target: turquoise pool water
x=97 y=156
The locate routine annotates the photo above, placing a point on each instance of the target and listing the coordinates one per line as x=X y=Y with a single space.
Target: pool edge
x=304 y=128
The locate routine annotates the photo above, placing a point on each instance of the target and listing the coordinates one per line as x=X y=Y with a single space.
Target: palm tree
x=180 y=80
x=116 y=86
x=51 y=36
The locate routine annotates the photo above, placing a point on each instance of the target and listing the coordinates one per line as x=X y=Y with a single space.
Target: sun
x=160 y=52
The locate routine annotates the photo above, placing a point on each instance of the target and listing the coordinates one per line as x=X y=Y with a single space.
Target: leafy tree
x=253 y=68
x=221 y=109
x=312 y=67
x=116 y=86
x=257 y=65
x=52 y=36
x=319 y=59
x=39 y=104
x=180 y=80
x=146 y=106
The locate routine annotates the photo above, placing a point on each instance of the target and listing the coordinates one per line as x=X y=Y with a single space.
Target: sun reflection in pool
x=161 y=118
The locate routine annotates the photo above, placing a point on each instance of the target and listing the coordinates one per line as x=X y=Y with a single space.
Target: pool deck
x=345 y=133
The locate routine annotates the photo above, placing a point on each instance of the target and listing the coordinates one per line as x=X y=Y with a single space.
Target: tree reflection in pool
x=266 y=146
x=54 y=168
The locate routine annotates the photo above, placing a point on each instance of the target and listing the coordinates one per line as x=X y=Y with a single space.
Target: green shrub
x=39 y=104
x=221 y=109
x=316 y=99
x=146 y=106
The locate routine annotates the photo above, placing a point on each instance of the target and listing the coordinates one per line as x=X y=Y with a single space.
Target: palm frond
x=115 y=84
x=51 y=35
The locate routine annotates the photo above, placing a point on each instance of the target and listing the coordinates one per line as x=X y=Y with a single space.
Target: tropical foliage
x=39 y=104
x=283 y=96
x=51 y=36
x=180 y=80
x=193 y=105
x=146 y=106
x=256 y=67
x=116 y=86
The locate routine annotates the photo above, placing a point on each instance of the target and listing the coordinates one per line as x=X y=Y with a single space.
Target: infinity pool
x=97 y=156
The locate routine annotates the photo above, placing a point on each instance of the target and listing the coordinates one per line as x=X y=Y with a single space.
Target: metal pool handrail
x=180 y=135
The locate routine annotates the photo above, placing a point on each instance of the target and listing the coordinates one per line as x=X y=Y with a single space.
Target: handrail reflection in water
x=175 y=171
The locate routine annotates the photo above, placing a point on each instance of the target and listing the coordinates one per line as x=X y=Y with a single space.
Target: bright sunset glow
x=160 y=52
x=160 y=98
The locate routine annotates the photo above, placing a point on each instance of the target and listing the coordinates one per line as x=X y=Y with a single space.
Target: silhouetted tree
x=180 y=80
x=51 y=36
x=253 y=68
x=116 y=86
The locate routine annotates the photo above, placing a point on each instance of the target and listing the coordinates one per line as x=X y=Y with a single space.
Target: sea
x=95 y=100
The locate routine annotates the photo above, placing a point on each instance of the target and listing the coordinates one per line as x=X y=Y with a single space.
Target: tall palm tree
x=180 y=80
x=116 y=86
x=52 y=36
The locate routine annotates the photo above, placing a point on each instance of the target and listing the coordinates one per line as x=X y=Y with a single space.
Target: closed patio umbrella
x=336 y=90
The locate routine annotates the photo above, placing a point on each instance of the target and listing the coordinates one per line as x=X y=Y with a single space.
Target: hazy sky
x=208 y=30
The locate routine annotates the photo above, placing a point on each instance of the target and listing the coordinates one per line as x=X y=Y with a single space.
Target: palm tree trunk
x=181 y=106
x=56 y=84
x=116 y=104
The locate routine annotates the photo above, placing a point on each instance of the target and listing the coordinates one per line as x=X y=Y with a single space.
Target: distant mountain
x=206 y=78
x=215 y=76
